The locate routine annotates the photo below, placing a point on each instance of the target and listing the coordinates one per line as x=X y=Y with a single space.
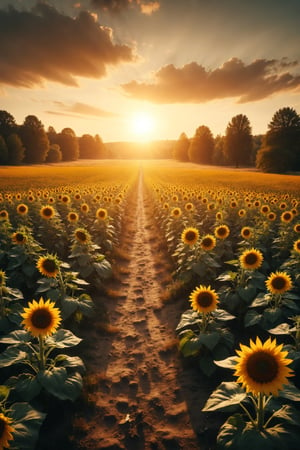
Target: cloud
x=116 y=6
x=82 y=109
x=43 y=44
x=192 y=83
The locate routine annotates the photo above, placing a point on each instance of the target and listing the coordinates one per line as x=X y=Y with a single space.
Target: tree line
x=276 y=151
x=30 y=143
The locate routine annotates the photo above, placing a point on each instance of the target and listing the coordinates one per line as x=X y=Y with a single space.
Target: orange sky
x=137 y=69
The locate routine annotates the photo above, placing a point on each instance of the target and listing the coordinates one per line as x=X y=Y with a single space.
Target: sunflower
x=296 y=246
x=48 y=266
x=222 y=231
x=18 y=238
x=246 y=232
x=6 y=431
x=84 y=208
x=204 y=299
x=190 y=236
x=46 y=212
x=242 y=212
x=189 y=206
x=72 y=217
x=176 y=212
x=22 y=209
x=261 y=368
x=82 y=236
x=279 y=282
x=101 y=214
x=251 y=259
x=65 y=199
x=219 y=216
x=271 y=216
x=3 y=214
x=286 y=216
x=265 y=209
x=208 y=242
x=41 y=318
x=297 y=228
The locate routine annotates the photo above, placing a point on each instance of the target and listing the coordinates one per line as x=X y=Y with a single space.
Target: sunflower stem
x=61 y=284
x=41 y=352
x=260 y=412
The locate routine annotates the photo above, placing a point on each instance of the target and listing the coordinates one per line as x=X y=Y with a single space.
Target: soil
x=139 y=393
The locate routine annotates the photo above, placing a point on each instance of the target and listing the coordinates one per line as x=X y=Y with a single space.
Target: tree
x=3 y=151
x=238 y=140
x=218 y=156
x=181 y=146
x=54 y=154
x=7 y=124
x=202 y=146
x=280 y=151
x=68 y=143
x=101 y=150
x=34 y=139
x=16 y=151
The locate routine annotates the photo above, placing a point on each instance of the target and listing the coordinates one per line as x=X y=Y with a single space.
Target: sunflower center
x=81 y=236
x=222 y=231
x=251 y=259
x=19 y=237
x=41 y=318
x=262 y=367
x=246 y=232
x=22 y=209
x=49 y=265
x=190 y=235
x=47 y=212
x=278 y=283
x=204 y=299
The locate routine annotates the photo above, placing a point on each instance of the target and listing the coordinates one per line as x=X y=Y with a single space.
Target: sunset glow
x=192 y=62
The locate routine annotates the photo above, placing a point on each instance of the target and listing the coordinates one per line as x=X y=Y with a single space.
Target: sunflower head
x=48 y=266
x=47 y=212
x=176 y=212
x=297 y=228
x=271 y=216
x=262 y=367
x=84 y=208
x=4 y=214
x=189 y=206
x=286 y=216
x=22 y=209
x=204 y=299
x=6 y=431
x=82 y=236
x=296 y=246
x=190 y=236
x=72 y=217
x=19 y=238
x=251 y=259
x=208 y=242
x=279 y=282
x=246 y=232
x=222 y=231
x=41 y=318
x=101 y=214
x=265 y=209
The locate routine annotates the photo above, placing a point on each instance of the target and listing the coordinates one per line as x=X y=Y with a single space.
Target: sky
x=148 y=70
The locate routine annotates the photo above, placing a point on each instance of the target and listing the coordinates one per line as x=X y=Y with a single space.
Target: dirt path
x=134 y=394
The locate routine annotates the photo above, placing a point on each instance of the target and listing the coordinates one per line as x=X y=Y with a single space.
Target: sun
x=143 y=125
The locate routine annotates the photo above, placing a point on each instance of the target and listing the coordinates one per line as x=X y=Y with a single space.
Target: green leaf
x=63 y=338
x=207 y=365
x=12 y=355
x=4 y=393
x=73 y=362
x=291 y=392
x=288 y=414
x=259 y=301
x=228 y=363
x=221 y=314
x=225 y=398
x=251 y=318
x=188 y=319
x=28 y=386
x=209 y=340
x=26 y=424
x=247 y=293
x=16 y=337
x=60 y=384
x=283 y=328
x=189 y=344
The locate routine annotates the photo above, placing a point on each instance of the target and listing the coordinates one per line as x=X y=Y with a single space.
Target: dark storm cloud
x=43 y=44
x=194 y=84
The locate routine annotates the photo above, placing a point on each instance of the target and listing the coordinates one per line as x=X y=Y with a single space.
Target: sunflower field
x=57 y=235
x=234 y=239
x=234 y=242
